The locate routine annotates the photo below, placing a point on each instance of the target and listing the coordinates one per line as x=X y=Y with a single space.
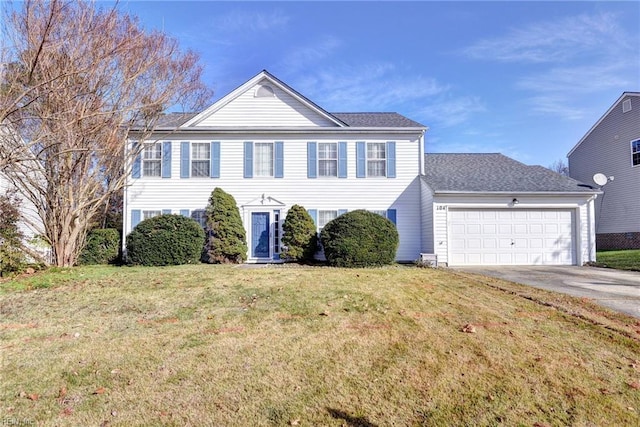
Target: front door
x=260 y=234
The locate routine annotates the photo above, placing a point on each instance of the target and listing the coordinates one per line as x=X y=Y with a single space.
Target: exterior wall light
x=515 y=201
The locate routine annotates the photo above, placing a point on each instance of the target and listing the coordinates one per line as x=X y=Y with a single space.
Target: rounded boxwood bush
x=102 y=247
x=359 y=239
x=299 y=235
x=165 y=240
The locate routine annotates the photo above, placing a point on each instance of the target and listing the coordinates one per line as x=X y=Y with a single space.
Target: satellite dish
x=600 y=179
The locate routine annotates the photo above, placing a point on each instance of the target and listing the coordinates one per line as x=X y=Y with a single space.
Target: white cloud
x=449 y=111
x=552 y=41
x=241 y=21
x=301 y=57
x=378 y=86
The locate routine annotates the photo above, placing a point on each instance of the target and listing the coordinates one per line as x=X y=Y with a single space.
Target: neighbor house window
x=324 y=217
x=263 y=159
x=150 y=214
x=327 y=159
x=376 y=159
x=635 y=153
x=152 y=159
x=200 y=159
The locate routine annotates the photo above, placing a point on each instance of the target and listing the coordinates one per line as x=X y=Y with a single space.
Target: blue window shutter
x=166 y=211
x=135 y=218
x=391 y=215
x=312 y=160
x=313 y=213
x=215 y=159
x=184 y=159
x=342 y=159
x=135 y=168
x=248 y=159
x=391 y=159
x=279 y=167
x=342 y=212
x=361 y=159
x=166 y=159
x=184 y=212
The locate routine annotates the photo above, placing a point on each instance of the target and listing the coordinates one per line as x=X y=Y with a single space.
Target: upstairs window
x=327 y=159
x=152 y=159
x=376 y=159
x=263 y=159
x=635 y=152
x=200 y=159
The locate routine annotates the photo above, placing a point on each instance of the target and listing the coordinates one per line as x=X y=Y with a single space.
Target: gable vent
x=264 y=92
x=626 y=105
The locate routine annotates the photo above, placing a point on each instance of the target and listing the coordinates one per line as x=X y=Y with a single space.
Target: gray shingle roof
x=392 y=120
x=373 y=120
x=493 y=172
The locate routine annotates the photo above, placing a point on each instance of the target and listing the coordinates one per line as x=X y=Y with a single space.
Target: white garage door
x=511 y=237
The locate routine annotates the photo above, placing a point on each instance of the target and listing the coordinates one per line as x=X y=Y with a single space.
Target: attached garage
x=511 y=237
x=488 y=209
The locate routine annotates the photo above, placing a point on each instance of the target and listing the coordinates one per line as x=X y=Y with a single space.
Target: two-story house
x=612 y=148
x=271 y=147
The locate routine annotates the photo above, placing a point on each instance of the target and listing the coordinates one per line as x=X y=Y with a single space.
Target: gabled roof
x=382 y=120
x=494 y=173
x=615 y=104
x=264 y=74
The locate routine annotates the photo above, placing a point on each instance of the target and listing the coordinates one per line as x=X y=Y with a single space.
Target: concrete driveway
x=615 y=289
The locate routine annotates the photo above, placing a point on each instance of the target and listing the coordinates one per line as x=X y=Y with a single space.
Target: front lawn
x=235 y=346
x=621 y=260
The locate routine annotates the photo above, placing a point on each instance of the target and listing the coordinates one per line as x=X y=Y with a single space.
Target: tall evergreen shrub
x=299 y=235
x=359 y=239
x=226 y=238
x=12 y=257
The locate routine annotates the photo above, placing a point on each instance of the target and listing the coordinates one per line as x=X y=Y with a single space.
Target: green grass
x=621 y=260
x=221 y=345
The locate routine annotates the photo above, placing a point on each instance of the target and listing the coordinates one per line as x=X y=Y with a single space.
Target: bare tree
x=76 y=78
x=560 y=166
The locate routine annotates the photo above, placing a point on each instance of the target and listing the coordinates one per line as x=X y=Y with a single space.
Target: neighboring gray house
x=612 y=147
x=488 y=209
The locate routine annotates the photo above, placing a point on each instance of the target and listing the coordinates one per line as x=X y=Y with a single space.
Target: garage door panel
x=511 y=237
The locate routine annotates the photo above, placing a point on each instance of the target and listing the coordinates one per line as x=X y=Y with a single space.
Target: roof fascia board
x=245 y=131
x=529 y=193
x=615 y=104
x=264 y=74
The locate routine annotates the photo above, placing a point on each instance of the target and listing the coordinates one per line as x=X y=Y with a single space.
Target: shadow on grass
x=350 y=420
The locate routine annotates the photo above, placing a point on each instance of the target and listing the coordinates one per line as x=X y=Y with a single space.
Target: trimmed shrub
x=102 y=247
x=165 y=240
x=359 y=239
x=226 y=238
x=299 y=235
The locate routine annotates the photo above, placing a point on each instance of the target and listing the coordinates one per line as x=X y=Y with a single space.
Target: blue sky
x=527 y=79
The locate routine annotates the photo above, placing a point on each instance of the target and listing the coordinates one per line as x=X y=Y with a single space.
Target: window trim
x=144 y=160
x=335 y=159
x=193 y=159
x=635 y=151
x=382 y=160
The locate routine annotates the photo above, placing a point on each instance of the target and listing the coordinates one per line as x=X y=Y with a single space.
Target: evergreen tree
x=299 y=238
x=226 y=238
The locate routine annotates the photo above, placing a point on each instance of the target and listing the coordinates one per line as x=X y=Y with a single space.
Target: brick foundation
x=618 y=241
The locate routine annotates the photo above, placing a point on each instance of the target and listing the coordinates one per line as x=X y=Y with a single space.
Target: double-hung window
x=325 y=216
x=200 y=216
x=376 y=159
x=200 y=159
x=635 y=152
x=263 y=159
x=150 y=214
x=327 y=159
x=152 y=159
